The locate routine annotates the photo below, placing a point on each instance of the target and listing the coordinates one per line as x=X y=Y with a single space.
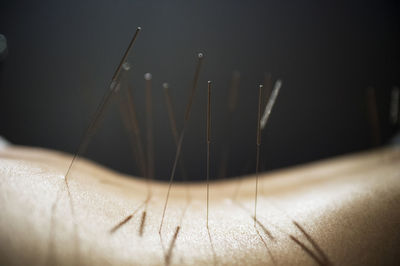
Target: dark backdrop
x=62 y=55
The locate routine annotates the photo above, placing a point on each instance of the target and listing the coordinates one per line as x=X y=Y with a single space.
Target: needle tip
x=209 y=82
x=139 y=28
x=148 y=76
x=165 y=85
x=200 y=55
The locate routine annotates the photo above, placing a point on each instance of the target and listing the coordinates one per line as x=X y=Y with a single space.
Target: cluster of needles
x=146 y=164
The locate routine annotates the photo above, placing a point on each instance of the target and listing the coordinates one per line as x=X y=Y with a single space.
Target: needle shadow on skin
x=126 y=219
x=51 y=249
x=323 y=259
x=168 y=253
x=264 y=229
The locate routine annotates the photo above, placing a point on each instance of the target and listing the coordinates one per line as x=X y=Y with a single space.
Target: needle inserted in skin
x=258 y=143
x=208 y=144
x=261 y=122
x=200 y=57
x=102 y=107
x=113 y=87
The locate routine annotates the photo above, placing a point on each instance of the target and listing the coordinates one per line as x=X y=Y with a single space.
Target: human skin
x=342 y=211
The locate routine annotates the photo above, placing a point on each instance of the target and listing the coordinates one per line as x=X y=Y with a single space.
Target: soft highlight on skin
x=342 y=211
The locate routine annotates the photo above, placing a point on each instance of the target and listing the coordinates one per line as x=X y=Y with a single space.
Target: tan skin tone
x=337 y=212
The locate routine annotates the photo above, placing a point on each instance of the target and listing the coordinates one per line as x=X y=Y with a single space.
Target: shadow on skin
x=127 y=219
x=322 y=259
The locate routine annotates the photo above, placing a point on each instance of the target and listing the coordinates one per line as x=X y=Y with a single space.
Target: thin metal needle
x=113 y=87
x=200 y=58
x=258 y=143
x=126 y=54
x=208 y=144
x=101 y=108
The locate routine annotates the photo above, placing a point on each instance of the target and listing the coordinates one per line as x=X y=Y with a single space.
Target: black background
x=62 y=55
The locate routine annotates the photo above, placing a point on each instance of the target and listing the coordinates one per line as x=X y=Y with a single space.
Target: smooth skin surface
x=342 y=211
